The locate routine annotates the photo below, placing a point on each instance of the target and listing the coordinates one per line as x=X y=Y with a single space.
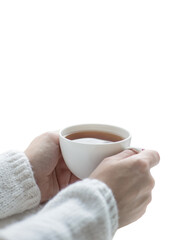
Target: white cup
x=83 y=157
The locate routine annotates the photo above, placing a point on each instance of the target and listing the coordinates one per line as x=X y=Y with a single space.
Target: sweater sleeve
x=18 y=189
x=85 y=210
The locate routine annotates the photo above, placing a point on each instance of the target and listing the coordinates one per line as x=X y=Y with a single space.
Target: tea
x=94 y=137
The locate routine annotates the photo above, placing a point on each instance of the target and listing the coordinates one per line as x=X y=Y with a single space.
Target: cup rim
x=93 y=124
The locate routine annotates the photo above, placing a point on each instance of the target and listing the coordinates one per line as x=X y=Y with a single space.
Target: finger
x=152 y=157
x=63 y=173
x=145 y=159
x=135 y=149
x=142 y=203
x=124 y=154
x=141 y=162
x=147 y=183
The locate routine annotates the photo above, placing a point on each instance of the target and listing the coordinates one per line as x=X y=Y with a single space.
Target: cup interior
x=96 y=127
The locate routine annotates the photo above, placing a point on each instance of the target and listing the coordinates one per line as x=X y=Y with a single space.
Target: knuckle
x=143 y=212
x=152 y=183
x=51 y=136
x=155 y=155
x=47 y=134
x=149 y=199
x=142 y=165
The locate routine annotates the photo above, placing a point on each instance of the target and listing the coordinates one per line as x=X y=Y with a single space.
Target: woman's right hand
x=128 y=175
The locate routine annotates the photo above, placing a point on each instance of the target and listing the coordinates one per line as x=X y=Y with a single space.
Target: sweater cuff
x=110 y=200
x=19 y=189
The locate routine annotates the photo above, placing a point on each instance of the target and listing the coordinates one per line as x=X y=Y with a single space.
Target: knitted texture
x=18 y=189
x=97 y=198
x=84 y=210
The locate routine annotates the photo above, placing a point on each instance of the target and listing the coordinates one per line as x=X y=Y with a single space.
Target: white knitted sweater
x=84 y=210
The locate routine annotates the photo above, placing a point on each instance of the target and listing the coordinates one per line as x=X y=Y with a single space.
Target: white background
x=124 y=63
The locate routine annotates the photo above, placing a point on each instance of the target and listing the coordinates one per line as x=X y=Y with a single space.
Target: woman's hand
x=128 y=175
x=50 y=171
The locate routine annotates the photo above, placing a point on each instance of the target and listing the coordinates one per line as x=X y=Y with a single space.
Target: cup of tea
x=84 y=146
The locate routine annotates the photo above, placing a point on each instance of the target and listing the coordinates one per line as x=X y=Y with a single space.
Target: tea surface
x=94 y=137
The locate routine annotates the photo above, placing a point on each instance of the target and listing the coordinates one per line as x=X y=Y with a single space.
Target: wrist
x=21 y=190
x=34 y=169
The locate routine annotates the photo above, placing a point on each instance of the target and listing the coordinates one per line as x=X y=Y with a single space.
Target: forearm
x=18 y=189
x=85 y=210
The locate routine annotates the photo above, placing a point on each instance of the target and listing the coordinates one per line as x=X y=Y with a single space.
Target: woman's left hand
x=49 y=168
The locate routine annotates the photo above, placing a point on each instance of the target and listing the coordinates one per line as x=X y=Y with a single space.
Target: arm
x=85 y=210
x=81 y=211
x=18 y=189
x=33 y=177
